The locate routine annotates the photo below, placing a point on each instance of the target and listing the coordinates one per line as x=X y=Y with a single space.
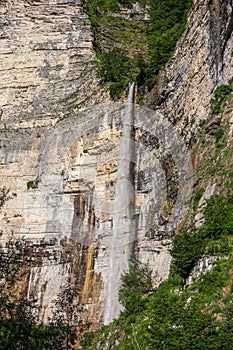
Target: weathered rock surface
x=202 y=61
x=46 y=61
x=58 y=162
x=70 y=192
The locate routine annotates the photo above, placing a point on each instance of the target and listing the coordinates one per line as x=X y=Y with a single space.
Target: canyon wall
x=201 y=62
x=47 y=62
x=60 y=137
x=62 y=187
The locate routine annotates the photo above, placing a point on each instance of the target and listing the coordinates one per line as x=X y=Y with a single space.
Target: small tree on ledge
x=134 y=283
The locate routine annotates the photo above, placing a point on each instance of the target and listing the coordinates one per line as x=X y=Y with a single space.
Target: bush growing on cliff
x=221 y=95
x=136 y=282
x=167 y=23
x=187 y=249
x=154 y=39
x=218 y=215
x=114 y=70
x=196 y=317
x=190 y=245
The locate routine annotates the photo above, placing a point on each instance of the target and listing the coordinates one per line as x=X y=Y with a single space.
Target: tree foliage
x=114 y=70
x=196 y=317
x=218 y=215
x=153 y=39
x=136 y=282
x=186 y=250
x=167 y=23
x=221 y=95
x=191 y=243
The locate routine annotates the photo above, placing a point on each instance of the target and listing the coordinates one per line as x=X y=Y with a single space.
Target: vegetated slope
x=134 y=39
x=193 y=308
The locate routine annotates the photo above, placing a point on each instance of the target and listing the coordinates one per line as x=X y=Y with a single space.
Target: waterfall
x=123 y=230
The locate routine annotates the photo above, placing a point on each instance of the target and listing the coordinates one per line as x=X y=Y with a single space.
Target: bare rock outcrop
x=201 y=62
x=47 y=62
x=60 y=140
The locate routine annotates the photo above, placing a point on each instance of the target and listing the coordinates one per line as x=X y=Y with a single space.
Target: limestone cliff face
x=47 y=62
x=62 y=186
x=202 y=61
x=58 y=160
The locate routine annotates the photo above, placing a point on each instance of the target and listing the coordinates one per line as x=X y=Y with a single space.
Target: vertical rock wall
x=46 y=60
x=58 y=161
x=202 y=61
x=69 y=194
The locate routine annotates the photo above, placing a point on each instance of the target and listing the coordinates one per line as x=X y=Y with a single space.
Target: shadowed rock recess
x=60 y=149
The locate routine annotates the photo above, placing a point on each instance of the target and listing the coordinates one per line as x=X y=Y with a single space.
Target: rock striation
x=47 y=62
x=69 y=194
x=60 y=138
x=202 y=61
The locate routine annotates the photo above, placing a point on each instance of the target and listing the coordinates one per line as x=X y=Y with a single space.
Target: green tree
x=136 y=282
x=221 y=95
x=114 y=69
x=187 y=249
x=218 y=215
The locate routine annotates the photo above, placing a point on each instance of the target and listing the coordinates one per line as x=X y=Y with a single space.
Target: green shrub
x=87 y=339
x=33 y=184
x=218 y=215
x=190 y=245
x=221 y=94
x=114 y=70
x=134 y=284
x=167 y=23
x=186 y=250
x=154 y=40
x=220 y=138
x=197 y=196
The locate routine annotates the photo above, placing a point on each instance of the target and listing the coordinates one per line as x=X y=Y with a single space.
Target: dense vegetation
x=173 y=317
x=167 y=23
x=213 y=238
x=179 y=315
x=134 y=284
x=136 y=45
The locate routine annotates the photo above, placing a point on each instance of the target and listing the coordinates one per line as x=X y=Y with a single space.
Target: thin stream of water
x=118 y=258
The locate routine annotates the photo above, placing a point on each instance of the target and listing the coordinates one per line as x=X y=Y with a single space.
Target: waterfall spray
x=123 y=218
